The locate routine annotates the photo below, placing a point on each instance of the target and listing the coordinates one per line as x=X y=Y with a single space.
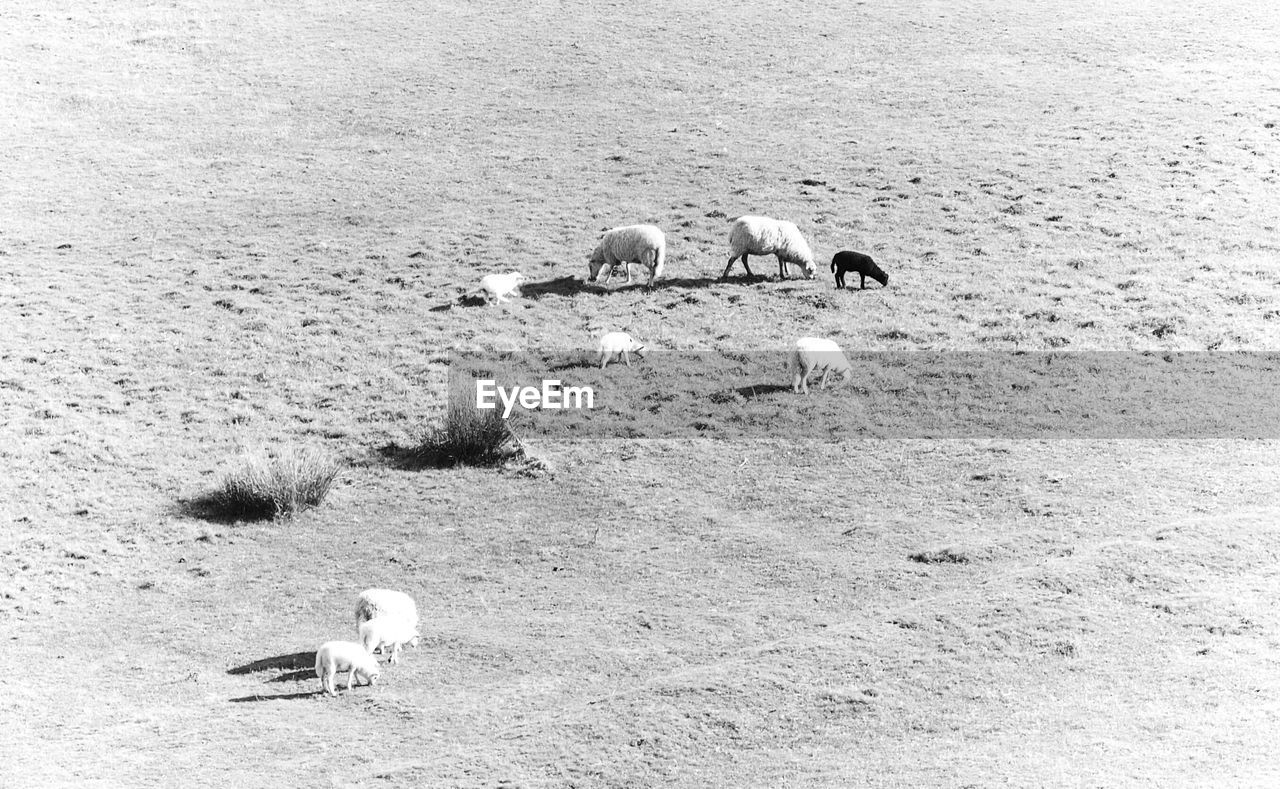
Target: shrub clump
x=468 y=437
x=270 y=487
x=943 y=556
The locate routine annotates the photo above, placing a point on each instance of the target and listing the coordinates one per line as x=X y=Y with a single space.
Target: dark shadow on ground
x=295 y=660
x=277 y=697
x=422 y=457
x=210 y=508
x=761 y=390
x=569 y=286
x=300 y=675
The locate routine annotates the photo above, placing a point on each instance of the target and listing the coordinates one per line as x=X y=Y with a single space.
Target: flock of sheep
x=646 y=246
x=386 y=620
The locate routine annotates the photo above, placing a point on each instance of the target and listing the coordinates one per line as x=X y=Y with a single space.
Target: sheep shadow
x=277 y=697
x=295 y=660
x=571 y=286
x=761 y=390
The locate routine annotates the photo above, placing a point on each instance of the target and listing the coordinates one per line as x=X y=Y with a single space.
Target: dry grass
x=270 y=486
x=467 y=436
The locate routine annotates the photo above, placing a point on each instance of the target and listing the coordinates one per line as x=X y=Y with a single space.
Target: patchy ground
x=232 y=226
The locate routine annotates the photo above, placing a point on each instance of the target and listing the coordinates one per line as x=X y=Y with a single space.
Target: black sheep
x=847 y=261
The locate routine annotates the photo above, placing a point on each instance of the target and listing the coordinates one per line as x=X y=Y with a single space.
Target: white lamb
x=389 y=630
x=617 y=343
x=386 y=602
x=814 y=353
x=644 y=245
x=497 y=287
x=335 y=656
x=761 y=235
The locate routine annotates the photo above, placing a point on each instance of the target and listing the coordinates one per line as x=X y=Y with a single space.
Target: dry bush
x=268 y=487
x=468 y=436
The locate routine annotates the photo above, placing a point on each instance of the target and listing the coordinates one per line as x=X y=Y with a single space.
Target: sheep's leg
x=351 y=676
x=840 y=279
x=864 y=280
x=604 y=359
x=626 y=357
x=727 y=268
x=826 y=371
x=782 y=268
x=796 y=378
x=745 y=266
x=808 y=371
x=395 y=654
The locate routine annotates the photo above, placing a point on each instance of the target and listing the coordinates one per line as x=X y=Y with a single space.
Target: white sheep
x=383 y=602
x=389 y=630
x=761 y=235
x=644 y=245
x=496 y=287
x=618 y=343
x=335 y=656
x=815 y=353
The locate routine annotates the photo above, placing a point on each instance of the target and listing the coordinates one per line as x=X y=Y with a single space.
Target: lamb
x=390 y=630
x=814 y=353
x=617 y=343
x=496 y=287
x=386 y=602
x=845 y=261
x=644 y=245
x=335 y=656
x=761 y=235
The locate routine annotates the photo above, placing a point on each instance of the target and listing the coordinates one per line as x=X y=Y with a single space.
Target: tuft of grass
x=941 y=556
x=468 y=436
x=270 y=487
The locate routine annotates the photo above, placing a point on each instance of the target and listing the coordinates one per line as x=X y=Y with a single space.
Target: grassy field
x=235 y=227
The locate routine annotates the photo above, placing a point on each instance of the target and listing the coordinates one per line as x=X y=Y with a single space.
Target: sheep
x=761 y=235
x=390 y=630
x=381 y=602
x=814 y=353
x=845 y=261
x=644 y=245
x=496 y=287
x=335 y=656
x=617 y=343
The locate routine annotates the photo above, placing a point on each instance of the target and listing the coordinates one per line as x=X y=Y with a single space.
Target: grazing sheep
x=814 y=353
x=761 y=235
x=617 y=343
x=845 y=261
x=496 y=287
x=335 y=656
x=384 y=602
x=644 y=245
x=390 y=630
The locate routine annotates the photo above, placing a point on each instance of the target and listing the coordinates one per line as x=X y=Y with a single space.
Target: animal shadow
x=296 y=660
x=569 y=286
x=560 y=286
x=277 y=697
x=761 y=390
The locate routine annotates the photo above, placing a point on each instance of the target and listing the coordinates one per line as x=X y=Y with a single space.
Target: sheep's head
x=809 y=271
x=370 y=676
x=595 y=262
x=878 y=275
x=640 y=350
